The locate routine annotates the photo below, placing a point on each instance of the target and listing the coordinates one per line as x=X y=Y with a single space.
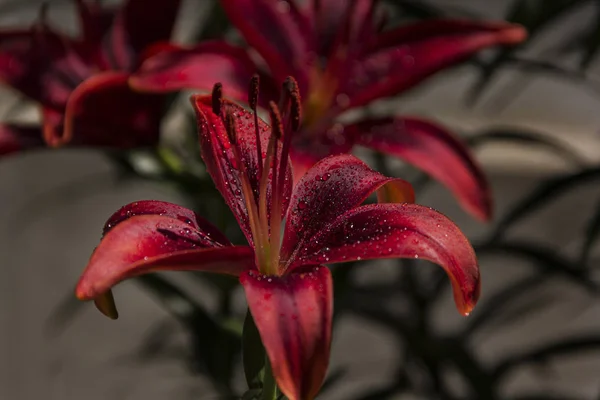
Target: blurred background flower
x=530 y=115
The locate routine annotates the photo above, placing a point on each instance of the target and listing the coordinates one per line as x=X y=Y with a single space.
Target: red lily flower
x=289 y=291
x=81 y=83
x=343 y=59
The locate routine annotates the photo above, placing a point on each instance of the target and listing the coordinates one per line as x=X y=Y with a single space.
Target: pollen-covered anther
x=217 y=98
x=295 y=111
x=276 y=121
x=253 y=92
x=231 y=127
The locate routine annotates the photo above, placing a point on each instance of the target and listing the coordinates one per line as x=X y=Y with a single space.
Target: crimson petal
x=211 y=236
x=199 y=68
x=15 y=138
x=272 y=28
x=333 y=186
x=220 y=160
x=139 y=24
x=335 y=16
x=40 y=64
x=293 y=315
x=104 y=111
x=403 y=57
x=399 y=230
x=95 y=21
x=436 y=151
x=149 y=243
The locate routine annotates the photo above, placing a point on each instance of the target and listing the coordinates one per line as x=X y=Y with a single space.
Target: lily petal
x=311 y=146
x=149 y=243
x=293 y=315
x=399 y=230
x=219 y=156
x=271 y=27
x=139 y=24
x=210 y=234
x=15 y=138
x=336 y=18
x=104 y=111
x=199 y=68
x=94 y=21
x=40 y=64
x=333 y=186
x=402 y=58
x=434 y=150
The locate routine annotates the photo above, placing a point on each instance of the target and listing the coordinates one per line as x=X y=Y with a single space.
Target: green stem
x=269 y=384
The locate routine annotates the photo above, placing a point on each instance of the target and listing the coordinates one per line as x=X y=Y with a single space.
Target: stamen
x=253 y=216
x=270 y=159
x=253 y=100
x=230 y=128
x=276 y=120
x=276 y=188
x=295 y=111
x=253 y=92
x=217 y=98
x=293 y=122
x=288 y=87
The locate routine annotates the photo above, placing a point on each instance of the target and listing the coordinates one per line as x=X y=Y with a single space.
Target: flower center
x=320 y=96
x=265 y=218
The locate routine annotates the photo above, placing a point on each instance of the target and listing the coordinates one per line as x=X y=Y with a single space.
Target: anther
x=217 y=98
x=253 y=92
x=230 y=127
x=295 y=110
x=276 y=123
x=290 y=86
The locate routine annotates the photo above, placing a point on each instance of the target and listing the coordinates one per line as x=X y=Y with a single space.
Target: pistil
x=253 y=101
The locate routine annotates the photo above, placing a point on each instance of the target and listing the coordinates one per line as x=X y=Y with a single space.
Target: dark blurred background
x=53 y=205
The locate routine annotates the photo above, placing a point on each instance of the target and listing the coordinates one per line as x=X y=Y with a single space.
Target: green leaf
x=592 y=232
x=333 y=378
x=528 y=137
x=534 y=15
x=253 y=353
x=252 y=394
x=569 y=346
x=63 y=314
x=214 y=347
x=541 y=196
x=493 y=311
x=547 y=260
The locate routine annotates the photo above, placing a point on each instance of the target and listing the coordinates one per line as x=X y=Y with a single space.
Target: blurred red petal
x=404 y=57
x=200 y=67
x=41 y=64
x=313 y=144
x=103 y=111
x=273 y=29
x=399 y=230
x=330 y=188
x=149 y=243
x=293 y=316
x=220 y=160
x=139 y=24
x=434 y=150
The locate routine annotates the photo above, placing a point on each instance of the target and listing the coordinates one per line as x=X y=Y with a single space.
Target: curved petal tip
x=514 y=34
x=105 y=303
